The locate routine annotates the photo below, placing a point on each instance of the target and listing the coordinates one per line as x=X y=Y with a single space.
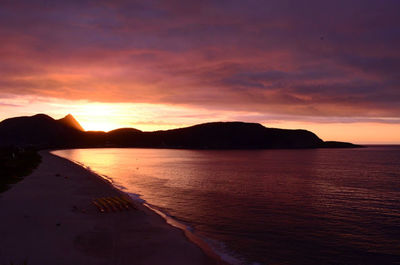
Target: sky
x=332 y=67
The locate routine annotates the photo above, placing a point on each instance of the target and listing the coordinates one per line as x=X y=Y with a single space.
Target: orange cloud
x=320 y=62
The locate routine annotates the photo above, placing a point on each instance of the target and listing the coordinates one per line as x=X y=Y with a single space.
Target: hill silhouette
x=42 y=131
x=39 y=130
x=70 y=121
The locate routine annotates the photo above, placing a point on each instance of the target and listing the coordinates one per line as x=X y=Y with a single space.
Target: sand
x=49 y=219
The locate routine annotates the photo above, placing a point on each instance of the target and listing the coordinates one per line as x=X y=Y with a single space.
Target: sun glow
x=96 y=116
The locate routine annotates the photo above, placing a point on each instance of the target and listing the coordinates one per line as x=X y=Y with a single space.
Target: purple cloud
x=315 y=58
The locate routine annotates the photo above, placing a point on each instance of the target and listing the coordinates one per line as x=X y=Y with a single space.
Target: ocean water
x=321 y=206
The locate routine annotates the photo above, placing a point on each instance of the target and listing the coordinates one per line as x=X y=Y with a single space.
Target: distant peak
x=70 y=121
x=41 y=116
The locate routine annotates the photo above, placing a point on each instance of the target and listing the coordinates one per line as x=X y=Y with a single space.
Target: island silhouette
x=42 y=131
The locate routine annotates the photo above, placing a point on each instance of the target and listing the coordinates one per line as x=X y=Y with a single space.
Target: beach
x=49 y=218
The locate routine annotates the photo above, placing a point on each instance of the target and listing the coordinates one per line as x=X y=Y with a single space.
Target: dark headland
x=42 y=131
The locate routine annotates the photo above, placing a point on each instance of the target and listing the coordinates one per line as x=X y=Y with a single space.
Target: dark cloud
x=323 y=58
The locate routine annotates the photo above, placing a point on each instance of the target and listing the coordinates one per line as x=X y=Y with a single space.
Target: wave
x=211 y=247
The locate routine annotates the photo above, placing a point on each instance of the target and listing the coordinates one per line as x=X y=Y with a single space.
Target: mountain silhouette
x=42 y=131
x=39 y=130
x=227 y=135
x=70 y=121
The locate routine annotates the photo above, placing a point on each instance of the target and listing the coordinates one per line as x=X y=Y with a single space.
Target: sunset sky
x=332 y=67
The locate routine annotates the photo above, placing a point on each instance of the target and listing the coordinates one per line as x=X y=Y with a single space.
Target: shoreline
x=48 y=218
x=145 y=206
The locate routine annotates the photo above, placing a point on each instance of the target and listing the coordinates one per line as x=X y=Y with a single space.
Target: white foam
x=135 y=197
x=222 y=251
x=217 y=248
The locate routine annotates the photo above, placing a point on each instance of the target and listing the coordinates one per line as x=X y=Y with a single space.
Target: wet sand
x=50 y=219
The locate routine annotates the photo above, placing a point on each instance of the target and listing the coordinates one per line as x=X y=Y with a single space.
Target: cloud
x=314 y=58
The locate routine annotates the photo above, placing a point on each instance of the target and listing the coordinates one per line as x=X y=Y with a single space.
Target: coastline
x=49 y=219
x=144 y=206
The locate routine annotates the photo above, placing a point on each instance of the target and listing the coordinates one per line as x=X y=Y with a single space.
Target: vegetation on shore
x=16 y=163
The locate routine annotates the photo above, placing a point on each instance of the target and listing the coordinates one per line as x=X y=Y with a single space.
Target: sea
x=311 y=206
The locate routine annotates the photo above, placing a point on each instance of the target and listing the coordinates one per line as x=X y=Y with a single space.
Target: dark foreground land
x=16 y=163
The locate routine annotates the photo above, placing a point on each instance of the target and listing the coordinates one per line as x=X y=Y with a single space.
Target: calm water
x=338 y=206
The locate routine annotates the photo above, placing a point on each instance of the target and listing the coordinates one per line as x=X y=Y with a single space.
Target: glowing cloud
x=320 y=61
